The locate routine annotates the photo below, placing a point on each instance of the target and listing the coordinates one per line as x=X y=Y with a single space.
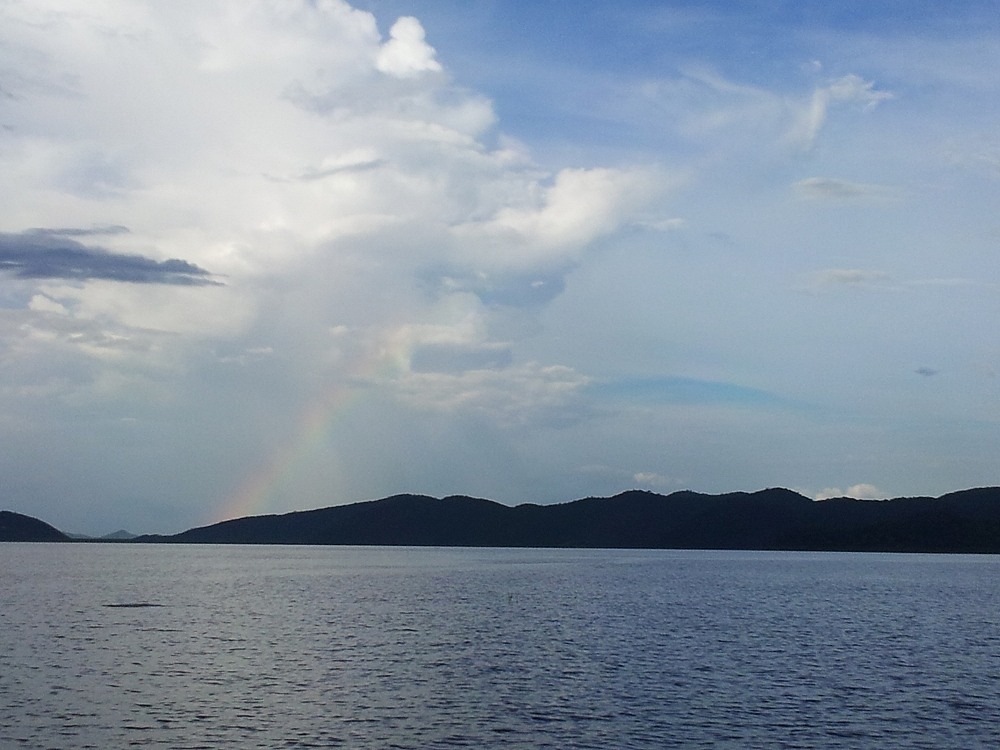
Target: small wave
x=133 y=605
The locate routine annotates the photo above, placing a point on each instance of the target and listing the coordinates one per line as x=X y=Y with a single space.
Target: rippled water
x=288 y=647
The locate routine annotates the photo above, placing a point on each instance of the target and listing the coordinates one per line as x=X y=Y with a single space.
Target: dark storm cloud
x=53 y=254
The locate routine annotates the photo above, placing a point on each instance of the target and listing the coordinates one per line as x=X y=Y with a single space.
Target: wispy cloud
x=680 y=390
x=826 y=188
x=845 y=277
x=811 y=116
x=869 y=278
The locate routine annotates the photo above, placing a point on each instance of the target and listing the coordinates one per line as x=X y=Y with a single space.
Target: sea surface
x=318 y=647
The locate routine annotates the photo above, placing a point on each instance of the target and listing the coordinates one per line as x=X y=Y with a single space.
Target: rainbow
x=256 y=492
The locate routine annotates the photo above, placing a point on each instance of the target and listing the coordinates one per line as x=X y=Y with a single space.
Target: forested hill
x=775 y=519
x=15 y=527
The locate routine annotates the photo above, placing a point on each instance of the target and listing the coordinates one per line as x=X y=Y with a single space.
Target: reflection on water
x=270 y=647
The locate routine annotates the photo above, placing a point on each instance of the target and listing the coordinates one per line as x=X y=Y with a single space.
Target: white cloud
x=406 y=54
x=726 y=115
x=363 y=227
x=256 y=140
x=550 y=225
x=43 y=303
x=511 y=397
x=861 y=491
x=827 y=188
x=811 y=115
x=979 y=154
x=195 y=312
x=652 y=479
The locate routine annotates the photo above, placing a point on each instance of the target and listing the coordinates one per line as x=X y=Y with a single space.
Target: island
x=772 y=519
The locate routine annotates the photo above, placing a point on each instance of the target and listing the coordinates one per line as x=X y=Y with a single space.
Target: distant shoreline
x=967 y=521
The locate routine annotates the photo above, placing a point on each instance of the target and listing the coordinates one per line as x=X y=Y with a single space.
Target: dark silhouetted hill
x=773 y=519
x=15 y=527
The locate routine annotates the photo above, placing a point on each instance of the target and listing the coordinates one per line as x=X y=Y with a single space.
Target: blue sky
x=273 y=255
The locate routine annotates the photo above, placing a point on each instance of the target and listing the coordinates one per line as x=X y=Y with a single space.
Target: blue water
x=298 y=647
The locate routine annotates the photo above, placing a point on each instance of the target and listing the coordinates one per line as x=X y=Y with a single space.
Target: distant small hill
x=773 y=519
x=119 y=536
x=115 y=536
x=15 y=527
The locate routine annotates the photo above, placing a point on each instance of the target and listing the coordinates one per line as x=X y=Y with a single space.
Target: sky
x=259 y=256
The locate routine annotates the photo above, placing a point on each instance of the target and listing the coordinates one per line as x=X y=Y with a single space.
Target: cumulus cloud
x=293 y=151
x=407 y=54
x=549 y=225
x=379 y=242
x=582 y=204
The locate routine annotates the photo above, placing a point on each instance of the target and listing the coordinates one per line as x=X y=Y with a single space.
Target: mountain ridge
x=770 y=519
x=774 y=518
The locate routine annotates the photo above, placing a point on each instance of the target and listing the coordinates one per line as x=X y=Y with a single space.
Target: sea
x=176 y=646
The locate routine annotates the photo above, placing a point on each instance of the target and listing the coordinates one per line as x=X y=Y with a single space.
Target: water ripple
x=317 y=647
